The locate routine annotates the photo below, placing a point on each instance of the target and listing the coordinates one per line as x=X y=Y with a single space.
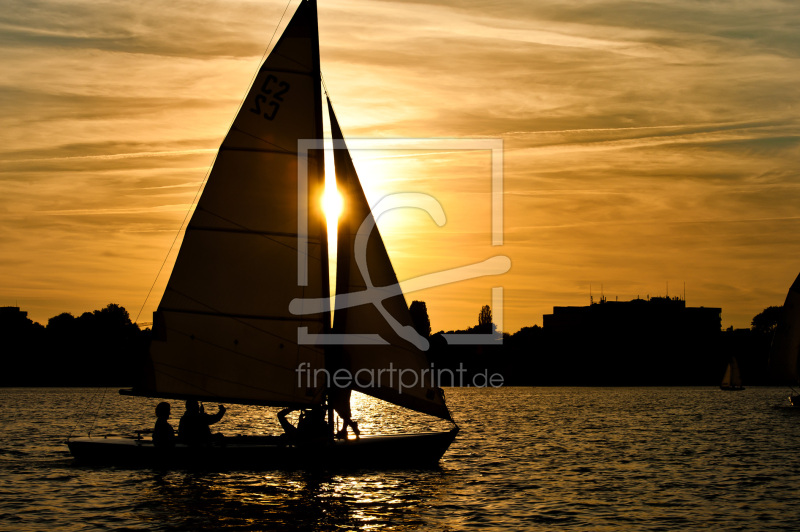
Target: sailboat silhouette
x=243 y=297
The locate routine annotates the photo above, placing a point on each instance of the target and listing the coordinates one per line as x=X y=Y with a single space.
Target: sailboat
x=785 y=350
x=246 y=315
x=732 y=380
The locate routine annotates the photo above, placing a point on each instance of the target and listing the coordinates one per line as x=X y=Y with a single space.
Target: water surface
x=526 y=459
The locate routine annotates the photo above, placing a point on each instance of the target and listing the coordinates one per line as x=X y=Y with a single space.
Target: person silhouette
x=311 y=426
x=340 y=400
x=163 y=433
x=193 y=428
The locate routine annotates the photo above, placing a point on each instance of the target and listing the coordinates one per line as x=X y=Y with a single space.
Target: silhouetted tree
x=22 y=341
x=419 y=318
x=485 y=324
x=60 y=323
x=114 y=315
x=766 y=321
x=526 y=335
x=100 y=348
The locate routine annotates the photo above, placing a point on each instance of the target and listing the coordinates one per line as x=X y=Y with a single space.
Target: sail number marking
x=271 y=96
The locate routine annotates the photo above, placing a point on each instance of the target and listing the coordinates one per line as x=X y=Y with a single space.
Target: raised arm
x=216 y=417
x=288 y=428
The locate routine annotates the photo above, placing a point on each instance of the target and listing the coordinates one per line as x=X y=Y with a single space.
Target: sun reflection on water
x=576 y=458
x=287 y=501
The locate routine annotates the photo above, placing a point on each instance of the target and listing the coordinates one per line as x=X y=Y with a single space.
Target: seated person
x=310 y=427
x=163 y=433
x=193 y=428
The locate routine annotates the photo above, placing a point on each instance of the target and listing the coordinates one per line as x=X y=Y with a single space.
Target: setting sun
x=602 y=180
x=332 y=204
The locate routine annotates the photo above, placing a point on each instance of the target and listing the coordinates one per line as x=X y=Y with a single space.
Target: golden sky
x=646 y=144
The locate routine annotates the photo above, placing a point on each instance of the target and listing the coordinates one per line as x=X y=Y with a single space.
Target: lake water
x=526 y=459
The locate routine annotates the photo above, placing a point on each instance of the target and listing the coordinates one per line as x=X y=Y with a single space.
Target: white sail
x=786 y=343
x=223 y=329
x=388 y=366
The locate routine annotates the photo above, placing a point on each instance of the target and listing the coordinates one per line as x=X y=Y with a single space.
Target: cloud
x=644 y=142
x=200 y=28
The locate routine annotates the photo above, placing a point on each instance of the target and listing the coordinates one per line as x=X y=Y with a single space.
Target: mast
x=319 y=155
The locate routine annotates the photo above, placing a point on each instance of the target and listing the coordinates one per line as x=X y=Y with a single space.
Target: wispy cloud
x=645 y=142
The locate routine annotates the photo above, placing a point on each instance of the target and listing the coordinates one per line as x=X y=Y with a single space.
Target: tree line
x=99 y=348
x=105 y=348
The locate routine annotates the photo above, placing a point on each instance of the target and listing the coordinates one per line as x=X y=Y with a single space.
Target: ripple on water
x=565 y=458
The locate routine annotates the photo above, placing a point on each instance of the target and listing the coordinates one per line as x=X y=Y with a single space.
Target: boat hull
x=268 y=452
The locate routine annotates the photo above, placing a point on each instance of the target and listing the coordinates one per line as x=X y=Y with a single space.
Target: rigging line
x=260 y=63
x=281 y=149
x=260 y=233
x=275 y=31
x=174 y=240
x=208 y=172
x=238 y=320
x=83 y=413
x=97 y=412
x=324 y=85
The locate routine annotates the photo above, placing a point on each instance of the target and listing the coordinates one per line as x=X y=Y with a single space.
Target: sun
x=332 y=204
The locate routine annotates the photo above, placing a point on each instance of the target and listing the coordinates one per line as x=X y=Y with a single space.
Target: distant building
x=640 y=342
x=657 y=314
x=13 y=316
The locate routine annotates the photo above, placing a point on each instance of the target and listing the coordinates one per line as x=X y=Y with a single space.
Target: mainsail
x=384 y=361
x=227 y=326
x=222 y=329
x=786 y=343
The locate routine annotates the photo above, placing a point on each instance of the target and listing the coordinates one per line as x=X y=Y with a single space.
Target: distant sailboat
x=785 y=350
x=256 y=245
x=732 y=380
